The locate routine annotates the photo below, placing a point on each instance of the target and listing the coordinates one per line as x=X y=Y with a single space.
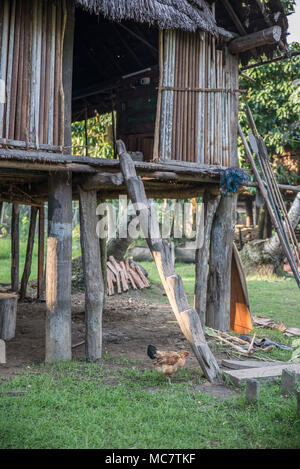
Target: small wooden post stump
x=252 y=391
x=2 y=352
x=288 y=382
x=8 y=315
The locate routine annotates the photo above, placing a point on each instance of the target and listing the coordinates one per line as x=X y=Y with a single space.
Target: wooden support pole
x=59 y=243
x=58 y=269
x=93 y=279
x=41 y=243
x=103 y=257
x=186 y=316
x=15 y=247
x=29 y=250
x=218 y=290
x=249 y=212
x=258 y=39
x=210 y=203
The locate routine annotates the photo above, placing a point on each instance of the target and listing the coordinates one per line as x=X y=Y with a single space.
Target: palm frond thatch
x=188 y=15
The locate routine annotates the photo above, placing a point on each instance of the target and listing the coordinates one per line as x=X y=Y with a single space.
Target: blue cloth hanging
x=231 y=179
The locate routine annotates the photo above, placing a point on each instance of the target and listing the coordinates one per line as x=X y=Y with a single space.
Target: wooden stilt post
x=15 y=247
x=58 y=271
x=59 y=243
x=249 y=212
x=218 y=289
x=41 y=242
x=186 y=316
x=202 y=255
x=28 y=259
x=93 y=279
x=103 y=258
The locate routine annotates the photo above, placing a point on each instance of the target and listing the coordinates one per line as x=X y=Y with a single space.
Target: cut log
x=187 y=317
x=8 y=315
x=139 y=271
x=260 y=38
x=116 y=274
x=119 y=272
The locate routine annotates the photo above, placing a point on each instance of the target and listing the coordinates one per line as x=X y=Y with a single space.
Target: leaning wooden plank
x=240 y=318
x=249 y=364
x=93 y=279
x=187 y=317
x=264 y=373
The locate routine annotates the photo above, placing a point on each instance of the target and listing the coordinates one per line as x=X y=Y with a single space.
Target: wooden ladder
x=186 y=316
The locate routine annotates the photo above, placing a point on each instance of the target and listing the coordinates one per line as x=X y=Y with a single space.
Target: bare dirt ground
x=130 y=323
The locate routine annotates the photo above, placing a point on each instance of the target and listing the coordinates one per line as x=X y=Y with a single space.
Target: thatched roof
x=188 y=15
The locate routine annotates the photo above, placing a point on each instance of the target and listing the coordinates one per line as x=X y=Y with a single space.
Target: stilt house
x=169 y=69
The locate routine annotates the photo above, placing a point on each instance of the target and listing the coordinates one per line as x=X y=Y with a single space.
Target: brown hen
x=167 y=363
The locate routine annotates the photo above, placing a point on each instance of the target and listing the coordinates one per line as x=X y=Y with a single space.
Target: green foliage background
x=98 y=130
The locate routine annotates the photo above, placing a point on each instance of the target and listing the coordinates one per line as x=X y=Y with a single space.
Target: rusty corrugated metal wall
x=198 y=100
x=31 y=93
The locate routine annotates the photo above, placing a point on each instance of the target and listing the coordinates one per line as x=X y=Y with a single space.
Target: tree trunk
x=118 y=246
x=219 y=276
x=257 y=254
x=273 y=246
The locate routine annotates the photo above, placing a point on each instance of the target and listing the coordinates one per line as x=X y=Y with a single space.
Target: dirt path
x=130 y=323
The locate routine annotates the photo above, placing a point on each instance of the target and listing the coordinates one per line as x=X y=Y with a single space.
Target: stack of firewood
x=124 y=274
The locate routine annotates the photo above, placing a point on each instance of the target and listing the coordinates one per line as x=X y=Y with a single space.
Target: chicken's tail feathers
x=151 y=351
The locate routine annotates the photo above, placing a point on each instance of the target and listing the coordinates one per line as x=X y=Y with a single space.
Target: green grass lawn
x=70 y=406
x=5 y=258
x=80 y=405
x=277 y=298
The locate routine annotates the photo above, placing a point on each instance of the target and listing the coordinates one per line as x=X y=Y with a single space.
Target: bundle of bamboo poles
x=272 y=196
x=125 y=274
x=198 y=99
x=31 y=43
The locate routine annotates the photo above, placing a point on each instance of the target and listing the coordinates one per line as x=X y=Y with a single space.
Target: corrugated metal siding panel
x=31 y=41
x=199 y=100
